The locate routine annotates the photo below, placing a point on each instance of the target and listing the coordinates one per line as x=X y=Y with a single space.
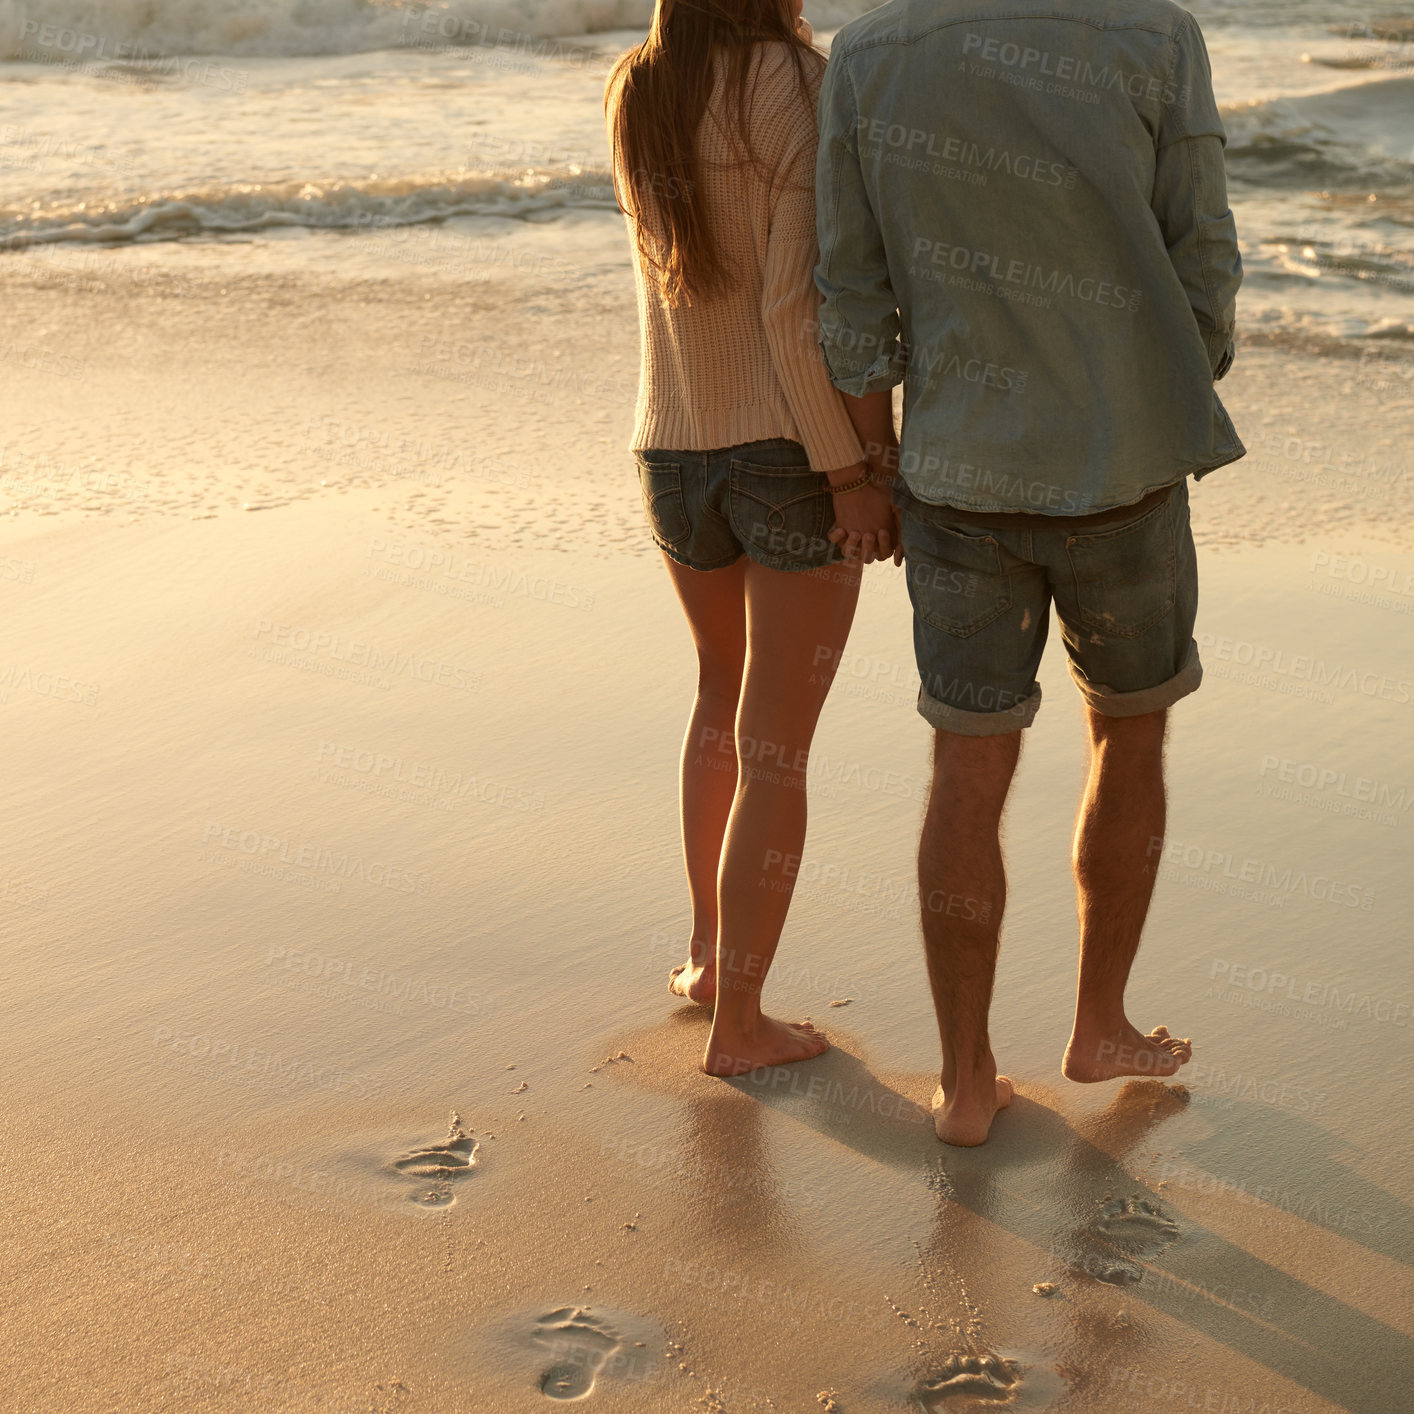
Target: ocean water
x=160 y=120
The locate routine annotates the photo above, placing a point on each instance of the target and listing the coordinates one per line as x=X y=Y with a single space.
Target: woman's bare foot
x=769 y=1042
x=696 y=982
x=1107 y=1053
x=963 y=1114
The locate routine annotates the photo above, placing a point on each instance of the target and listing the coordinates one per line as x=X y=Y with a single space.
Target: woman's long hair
x=655 y=101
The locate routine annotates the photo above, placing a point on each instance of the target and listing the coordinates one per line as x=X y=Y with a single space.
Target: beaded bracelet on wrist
x=857 y=485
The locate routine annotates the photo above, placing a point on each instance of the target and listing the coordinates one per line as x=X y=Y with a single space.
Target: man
x=1023 y=218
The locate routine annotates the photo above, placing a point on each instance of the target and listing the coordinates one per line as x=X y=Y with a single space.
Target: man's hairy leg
x=1118 y=846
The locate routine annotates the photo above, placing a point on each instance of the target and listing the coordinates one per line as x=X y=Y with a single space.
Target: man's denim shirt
x=1023 y=218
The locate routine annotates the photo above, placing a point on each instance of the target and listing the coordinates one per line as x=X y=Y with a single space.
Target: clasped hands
x=866 y=524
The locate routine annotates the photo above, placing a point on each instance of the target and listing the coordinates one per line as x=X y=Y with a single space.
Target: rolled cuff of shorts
x=954 y=719
x=1109 y=703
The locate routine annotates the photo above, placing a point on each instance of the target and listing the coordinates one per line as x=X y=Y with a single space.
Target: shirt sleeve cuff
x=849 y=376
x=1226 y=353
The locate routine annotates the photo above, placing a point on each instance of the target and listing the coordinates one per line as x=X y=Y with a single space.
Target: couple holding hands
x=1019 y=214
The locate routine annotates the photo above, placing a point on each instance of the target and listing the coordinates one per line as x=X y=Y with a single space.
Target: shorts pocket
x=661 y=483
x=781 y=510
x=955 y=580
x=1125 y=578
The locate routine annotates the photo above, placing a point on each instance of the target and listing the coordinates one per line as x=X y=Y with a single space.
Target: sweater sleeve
x=790 y=310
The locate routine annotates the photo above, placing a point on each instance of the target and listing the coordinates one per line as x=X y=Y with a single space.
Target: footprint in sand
x=1126 y=1229
x=1136 y=1226
x=968 y=1379
x=581 y=1342
x=443 y=1163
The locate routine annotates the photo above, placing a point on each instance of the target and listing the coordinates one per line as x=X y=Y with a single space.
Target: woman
x=749 y=462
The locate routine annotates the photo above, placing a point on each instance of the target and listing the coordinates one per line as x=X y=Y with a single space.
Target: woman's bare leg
x=796 y=628
x=715 y=604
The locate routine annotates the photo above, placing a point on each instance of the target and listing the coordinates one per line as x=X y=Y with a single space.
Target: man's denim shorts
x=1126 y=594
x=707 y=509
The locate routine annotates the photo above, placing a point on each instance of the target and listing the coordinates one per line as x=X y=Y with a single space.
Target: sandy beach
x=344 y=693
x=341 y=887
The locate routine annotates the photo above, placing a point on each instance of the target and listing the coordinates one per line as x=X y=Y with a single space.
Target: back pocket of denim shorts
x=1125 y=579
x=780 y=510
x=661 y=483
x=955 y=580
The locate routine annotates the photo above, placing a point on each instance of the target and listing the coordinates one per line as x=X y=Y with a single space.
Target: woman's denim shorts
x=707 y=509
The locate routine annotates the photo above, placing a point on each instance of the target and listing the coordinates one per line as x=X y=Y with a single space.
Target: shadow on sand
x=1044 y=1180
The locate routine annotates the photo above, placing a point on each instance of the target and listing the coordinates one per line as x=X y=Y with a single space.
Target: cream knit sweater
x=745 y=365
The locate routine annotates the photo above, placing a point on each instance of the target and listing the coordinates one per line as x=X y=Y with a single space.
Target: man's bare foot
x=697 y=984
x=1106 y=1054
x=966 y=1118
x=770 y=1042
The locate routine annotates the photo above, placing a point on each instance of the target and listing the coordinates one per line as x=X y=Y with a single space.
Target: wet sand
x=338 y=816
